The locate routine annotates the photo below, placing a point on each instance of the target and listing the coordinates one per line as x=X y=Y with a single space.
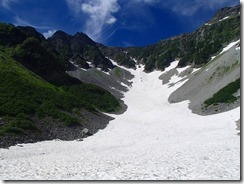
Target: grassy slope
x=225 y=95
x=23 y=94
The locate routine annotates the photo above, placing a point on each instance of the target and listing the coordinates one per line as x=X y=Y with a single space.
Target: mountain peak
x=225 y=12
x=80 y=34
x=60 y=34
x=83 y=39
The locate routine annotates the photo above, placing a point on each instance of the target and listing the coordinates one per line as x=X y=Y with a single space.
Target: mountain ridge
x=88 y=78
x=192 y=44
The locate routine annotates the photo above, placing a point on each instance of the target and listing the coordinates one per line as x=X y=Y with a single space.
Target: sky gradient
x=113 y=22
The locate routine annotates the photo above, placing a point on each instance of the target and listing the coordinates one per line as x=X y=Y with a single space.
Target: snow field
x=152 y=140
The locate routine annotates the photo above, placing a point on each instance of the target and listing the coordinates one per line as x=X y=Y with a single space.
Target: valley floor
x=152 y=140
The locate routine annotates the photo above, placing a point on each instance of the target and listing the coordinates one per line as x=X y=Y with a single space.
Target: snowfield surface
x=152 y=140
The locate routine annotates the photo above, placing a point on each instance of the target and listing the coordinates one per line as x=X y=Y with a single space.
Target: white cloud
x=111 y=20
x=49 y=33
x=100 y=14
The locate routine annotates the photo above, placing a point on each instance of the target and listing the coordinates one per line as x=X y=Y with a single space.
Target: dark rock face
x=80 y=49
x=118 y=55
x=10 y=35
x=31 y=32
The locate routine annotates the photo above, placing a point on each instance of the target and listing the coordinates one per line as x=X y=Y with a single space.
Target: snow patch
x=182 y=69
x=224 y=18
x=213 y=57
x=76 y=65
x=123 y=84
x=195 y=70
x=116 y=64
x=229 y=46
x=90 y=64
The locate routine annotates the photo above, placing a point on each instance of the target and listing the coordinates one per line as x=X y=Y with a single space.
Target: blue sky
x=113 y=22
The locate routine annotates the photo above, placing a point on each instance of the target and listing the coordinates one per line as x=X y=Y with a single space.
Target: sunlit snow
x=224 y=18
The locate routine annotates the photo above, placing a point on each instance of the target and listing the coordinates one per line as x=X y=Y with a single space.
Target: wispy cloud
x=99 y=13
x=21 y=22
x=145 y=1
x=74 y=6
x=7 y=3
x=49 y=33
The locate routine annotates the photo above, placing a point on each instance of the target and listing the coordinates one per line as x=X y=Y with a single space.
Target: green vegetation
x=225 y=95
x=42 y=60
x=150 y=65
x=23 y=95
x=18 y=125
x=118 y=73
x=93 y=97
x=10 y=35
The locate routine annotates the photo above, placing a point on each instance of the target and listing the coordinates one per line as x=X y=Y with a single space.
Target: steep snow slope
x=152 y=140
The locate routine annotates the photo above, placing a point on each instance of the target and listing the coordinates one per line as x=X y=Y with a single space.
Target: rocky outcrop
x=80 y=49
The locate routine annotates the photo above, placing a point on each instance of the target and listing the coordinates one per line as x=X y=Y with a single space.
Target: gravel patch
x=238 y=126
x=215 y=109
x=51 y=129
x=168 y=75
x=108 y=81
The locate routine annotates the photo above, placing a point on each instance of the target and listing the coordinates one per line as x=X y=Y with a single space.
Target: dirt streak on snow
x=152 y=140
